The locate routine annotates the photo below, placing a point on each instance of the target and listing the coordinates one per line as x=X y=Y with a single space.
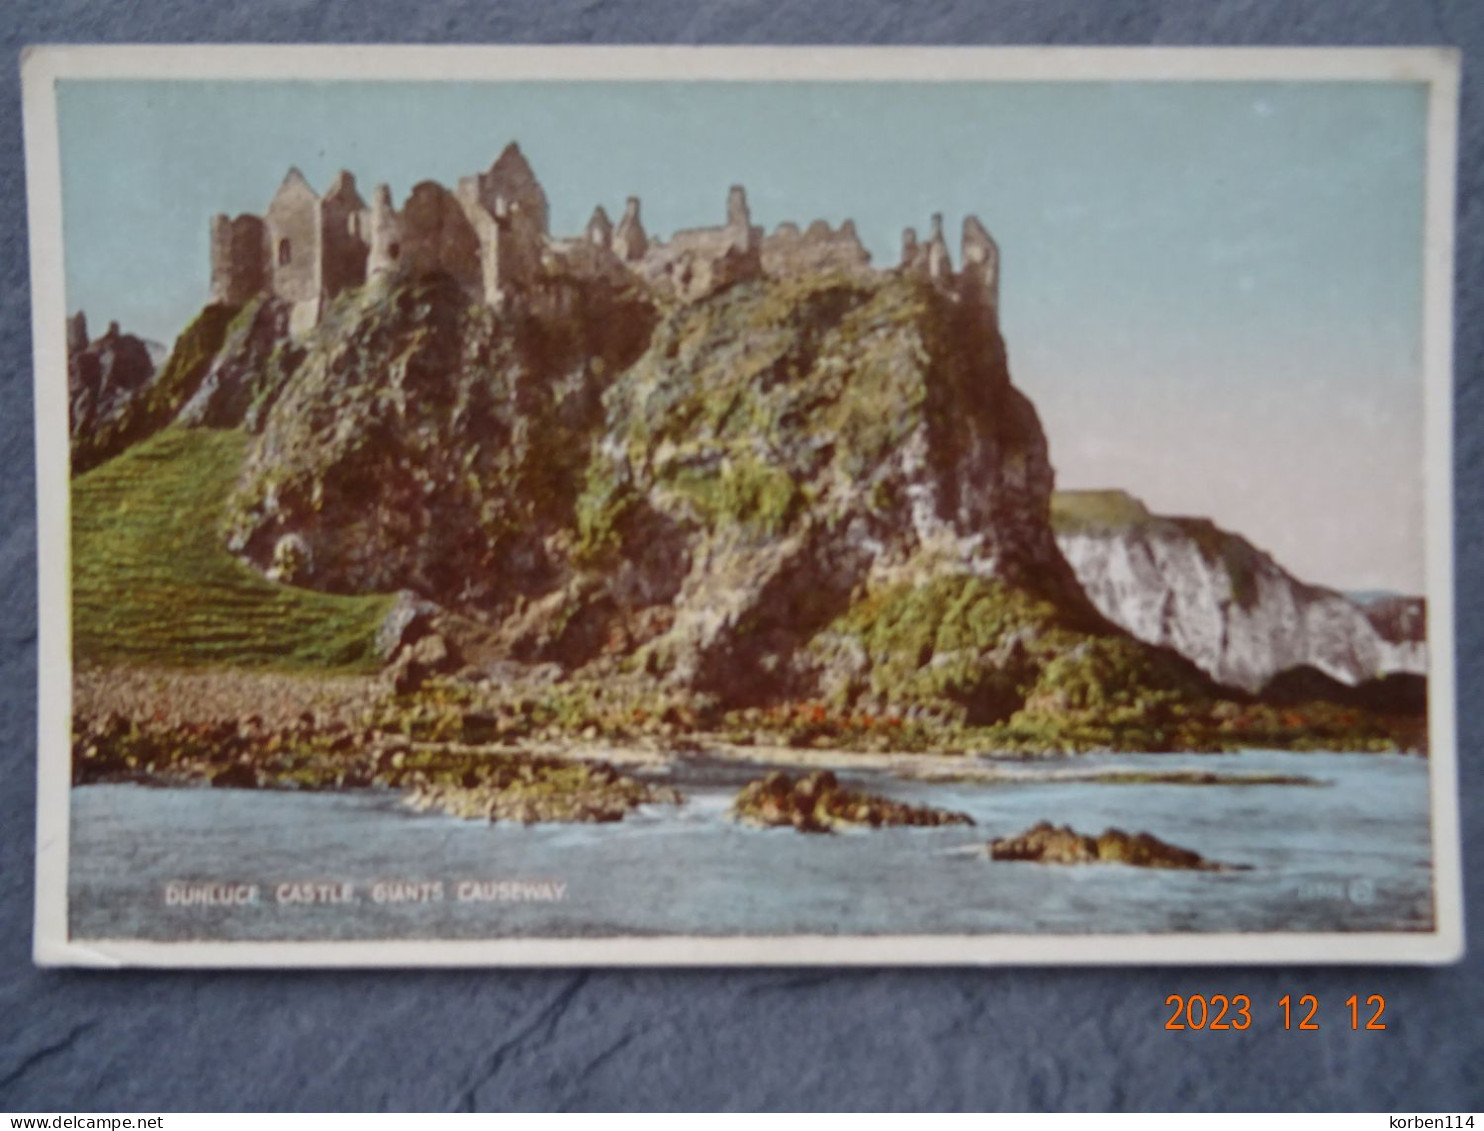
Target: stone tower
x=600 y=229
x=981 y=263
x=344 y=243
x=629 y=241
x=739 y=221
x=293 y=241
x=385 y=235
x=239 y=253
x=939 y=266
x=912 y=251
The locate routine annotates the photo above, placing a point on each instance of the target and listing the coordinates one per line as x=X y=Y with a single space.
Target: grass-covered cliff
x=154 y=583
x=815 y=508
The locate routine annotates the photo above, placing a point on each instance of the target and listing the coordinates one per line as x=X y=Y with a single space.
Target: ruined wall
x=512 y=197
x=599 y=229
x=581 y=258
x=630 y=241
x=486 y=234
x=293 y=241
x=695 y=262
x=343 y=244
x=818 y=248
x=384 y=237
x=435 y=235
x=509 y=187
x=978 y=280
x=939 y=263
x=928 y=258
x=239 y=249
x=981 y=263
x=491 y=236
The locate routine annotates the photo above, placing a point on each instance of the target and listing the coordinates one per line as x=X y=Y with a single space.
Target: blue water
x=1352 y=854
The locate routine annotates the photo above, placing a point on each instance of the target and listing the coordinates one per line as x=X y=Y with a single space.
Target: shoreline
x=932 y=769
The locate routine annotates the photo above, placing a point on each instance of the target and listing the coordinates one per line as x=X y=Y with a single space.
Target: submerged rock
x=818 y=803
x=1046 y=843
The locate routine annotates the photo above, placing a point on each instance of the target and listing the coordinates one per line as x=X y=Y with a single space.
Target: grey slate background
x=893 y=1039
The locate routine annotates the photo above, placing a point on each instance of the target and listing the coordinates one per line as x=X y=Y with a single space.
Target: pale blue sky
x=1211 y=291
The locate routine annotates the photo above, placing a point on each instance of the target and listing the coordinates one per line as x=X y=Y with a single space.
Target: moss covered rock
x=1046 y=843
x=431 y=443
x=157 y=399
x=784 y=441
x=315 y=755
x=818 y=803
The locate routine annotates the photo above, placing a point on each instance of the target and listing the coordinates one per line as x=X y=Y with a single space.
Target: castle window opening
x=394 y=251
x=285 y=253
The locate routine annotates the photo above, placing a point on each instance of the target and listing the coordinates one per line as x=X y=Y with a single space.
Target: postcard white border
x=1438 y=68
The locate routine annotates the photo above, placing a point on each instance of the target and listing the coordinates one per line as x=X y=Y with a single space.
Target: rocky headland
x=1228 y=607
x=734 y=487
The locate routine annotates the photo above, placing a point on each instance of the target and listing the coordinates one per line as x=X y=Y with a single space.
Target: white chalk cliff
x=1221 y=602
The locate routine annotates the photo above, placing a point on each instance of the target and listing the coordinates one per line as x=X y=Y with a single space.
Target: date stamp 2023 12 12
x=1234 y=1012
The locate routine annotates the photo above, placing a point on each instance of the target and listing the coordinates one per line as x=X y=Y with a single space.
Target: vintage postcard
x=588 y=506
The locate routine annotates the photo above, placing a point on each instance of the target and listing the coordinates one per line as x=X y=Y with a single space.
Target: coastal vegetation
x=809 y=512
x=154 y=584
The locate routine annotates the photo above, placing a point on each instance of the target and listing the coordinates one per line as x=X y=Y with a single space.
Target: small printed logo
x=1361 y=892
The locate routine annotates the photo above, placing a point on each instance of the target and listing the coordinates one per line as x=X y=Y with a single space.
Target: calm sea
x=1350 y=854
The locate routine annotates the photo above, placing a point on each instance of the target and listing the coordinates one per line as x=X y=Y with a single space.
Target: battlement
x=979 y=278
x=695 y=262
x=491 y=234
x=817 y=248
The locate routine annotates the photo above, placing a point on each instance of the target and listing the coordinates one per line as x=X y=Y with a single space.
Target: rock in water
x=817 y=803
x=1046 y=843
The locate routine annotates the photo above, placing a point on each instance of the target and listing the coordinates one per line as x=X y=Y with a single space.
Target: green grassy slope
x=1073 y=511
x=153 y=583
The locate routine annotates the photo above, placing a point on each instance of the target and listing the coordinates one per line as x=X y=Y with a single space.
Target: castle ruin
x=491 y=234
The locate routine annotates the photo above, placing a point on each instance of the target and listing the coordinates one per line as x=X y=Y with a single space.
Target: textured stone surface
x=1229 y=607
x=103 y=378
x=1077 y=1039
